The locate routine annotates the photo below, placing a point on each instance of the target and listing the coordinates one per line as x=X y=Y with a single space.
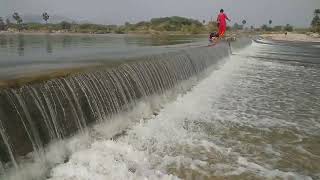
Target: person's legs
x=222 y=31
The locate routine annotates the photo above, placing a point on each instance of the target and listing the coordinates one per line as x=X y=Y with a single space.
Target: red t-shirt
x=222 y=19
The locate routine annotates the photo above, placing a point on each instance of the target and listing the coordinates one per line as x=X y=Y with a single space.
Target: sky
x=256 y=12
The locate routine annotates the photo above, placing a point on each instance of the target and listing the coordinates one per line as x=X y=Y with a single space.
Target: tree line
x=264 y=27
x=19 y=21
x=315 y=23
x=174 y=23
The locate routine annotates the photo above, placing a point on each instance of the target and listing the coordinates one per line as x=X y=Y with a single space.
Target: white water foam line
x=172 y=139
x=141 y=153
x=34 y=167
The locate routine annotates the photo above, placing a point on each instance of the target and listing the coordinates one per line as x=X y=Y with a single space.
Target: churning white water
x=250 y=119
x=150 y=147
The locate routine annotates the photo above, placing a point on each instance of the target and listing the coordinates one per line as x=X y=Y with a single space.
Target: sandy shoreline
x=293 y=37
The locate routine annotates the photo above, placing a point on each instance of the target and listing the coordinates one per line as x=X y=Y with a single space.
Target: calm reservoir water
x=25 y=54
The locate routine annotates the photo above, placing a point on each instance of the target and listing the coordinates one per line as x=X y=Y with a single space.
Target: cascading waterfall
x=33 y=115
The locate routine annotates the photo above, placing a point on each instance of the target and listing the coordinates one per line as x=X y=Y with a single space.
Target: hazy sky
x=256 y=12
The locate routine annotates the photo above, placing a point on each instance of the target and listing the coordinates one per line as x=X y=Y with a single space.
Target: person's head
x=221 y=10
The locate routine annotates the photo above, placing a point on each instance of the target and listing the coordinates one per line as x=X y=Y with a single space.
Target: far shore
x=293 y=37
x=60 y=33
x=137 y=33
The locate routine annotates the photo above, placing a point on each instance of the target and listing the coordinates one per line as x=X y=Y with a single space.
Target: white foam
x=108 y=160
x=147 y=146
x=264 y=172
x=34 y=166
x=174 y=143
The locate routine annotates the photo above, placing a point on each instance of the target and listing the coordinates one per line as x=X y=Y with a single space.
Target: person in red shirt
x=222 y=24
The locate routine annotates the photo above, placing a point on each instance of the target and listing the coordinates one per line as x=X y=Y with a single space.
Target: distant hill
x=37 y=18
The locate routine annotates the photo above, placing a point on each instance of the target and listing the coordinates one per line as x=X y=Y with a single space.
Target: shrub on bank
x=288 y=28
x=173 y=24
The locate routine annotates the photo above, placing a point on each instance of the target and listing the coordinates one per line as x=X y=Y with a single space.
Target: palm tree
x=270 y=22
x=315 y=23
x=2 y=25
x=17 y=17
x=45 y=17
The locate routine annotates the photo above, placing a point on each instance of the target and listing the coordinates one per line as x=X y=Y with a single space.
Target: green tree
x=265 y=28
x=244 y=22
x=120 y=30
x=2 y=25
x=176 y=23
x=65 y=25
x=18 y=19
x=45 y=17
x=315 y=23
x=127 y=24
x=288 y=28
x=277 y=28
